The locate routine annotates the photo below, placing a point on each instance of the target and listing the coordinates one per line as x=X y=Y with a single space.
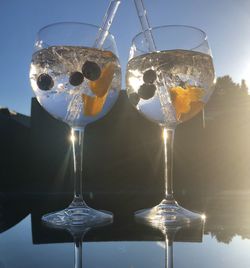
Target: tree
x=225 y=85
x=243 y=87
x=229 y=97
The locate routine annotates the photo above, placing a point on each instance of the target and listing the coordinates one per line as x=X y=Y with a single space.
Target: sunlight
x=134 y=80
x=165 y=134
x=248 y=84
x=72 y=137
x=203 y=217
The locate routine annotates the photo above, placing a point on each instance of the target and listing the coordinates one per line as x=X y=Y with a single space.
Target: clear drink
x=75 y=84
x=170 y=86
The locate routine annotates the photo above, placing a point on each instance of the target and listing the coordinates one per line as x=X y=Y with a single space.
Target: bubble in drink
x=183 y=81
x=75 y=84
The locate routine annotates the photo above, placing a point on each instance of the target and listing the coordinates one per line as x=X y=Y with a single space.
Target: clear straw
x=164 y=95
x=107 y=21
x=74 y=108
x=142 y=14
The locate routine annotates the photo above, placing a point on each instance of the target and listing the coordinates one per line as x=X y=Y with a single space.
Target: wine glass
x=78 y=232
x=78 y=84
x=168 y=86
x=185 y=233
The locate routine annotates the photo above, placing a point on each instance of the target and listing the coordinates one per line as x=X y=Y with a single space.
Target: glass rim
x=204 y=35
x=72 y=23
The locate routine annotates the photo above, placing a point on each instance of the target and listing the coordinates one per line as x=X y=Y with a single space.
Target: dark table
x=224 y=240
x=211 y=175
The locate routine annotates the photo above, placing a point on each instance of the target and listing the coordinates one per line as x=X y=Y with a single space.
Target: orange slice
x=101 y=86
x=92 y=105
x=195 y=108
x=107 y=54
x=184 y=98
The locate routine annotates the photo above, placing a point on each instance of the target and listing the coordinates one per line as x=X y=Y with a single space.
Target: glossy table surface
x=223 y=241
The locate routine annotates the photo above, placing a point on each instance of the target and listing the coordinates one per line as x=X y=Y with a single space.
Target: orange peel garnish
x=101 y=86
x=92 y=105
x=184 y=98
x=107 y=54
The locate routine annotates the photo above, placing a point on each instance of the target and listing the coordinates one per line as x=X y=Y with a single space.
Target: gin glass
x=78 y=84
x=170 y=86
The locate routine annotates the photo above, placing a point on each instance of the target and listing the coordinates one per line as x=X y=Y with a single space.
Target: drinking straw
x=107 y=21
x=142 y=14
x=163 y=94
x=75 y=104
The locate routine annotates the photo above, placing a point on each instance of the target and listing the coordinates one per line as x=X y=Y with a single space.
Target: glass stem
x=168 y=139
x=78 y=254
x=168 y=253
x=77 y=136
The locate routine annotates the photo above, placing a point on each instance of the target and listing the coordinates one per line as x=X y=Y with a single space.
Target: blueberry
x=147 y=91
x=91 y=70
x=76 y=78
x=134 y=98
x=149 y=76
x=45 y=82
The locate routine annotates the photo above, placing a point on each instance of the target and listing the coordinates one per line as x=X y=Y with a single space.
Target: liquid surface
x=171 y=86
x=71 y=92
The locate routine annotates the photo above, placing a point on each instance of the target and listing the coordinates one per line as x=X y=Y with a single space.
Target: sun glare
x=203 y=217
x=72 y=137
x=248 y=85
x=134 y=80
x=165 y=134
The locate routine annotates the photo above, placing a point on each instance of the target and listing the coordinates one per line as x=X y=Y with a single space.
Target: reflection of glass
x=78 y=232
x=77 y=84
x=196 y=231
x=169 y=86
x=78 y=237
x=223 y=221
x=169 y=255
x=190 y=232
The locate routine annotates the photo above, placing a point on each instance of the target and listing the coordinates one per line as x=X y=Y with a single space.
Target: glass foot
x=77 y=215
x=169 y=213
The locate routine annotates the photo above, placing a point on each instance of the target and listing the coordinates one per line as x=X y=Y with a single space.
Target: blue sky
x=226 y=23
